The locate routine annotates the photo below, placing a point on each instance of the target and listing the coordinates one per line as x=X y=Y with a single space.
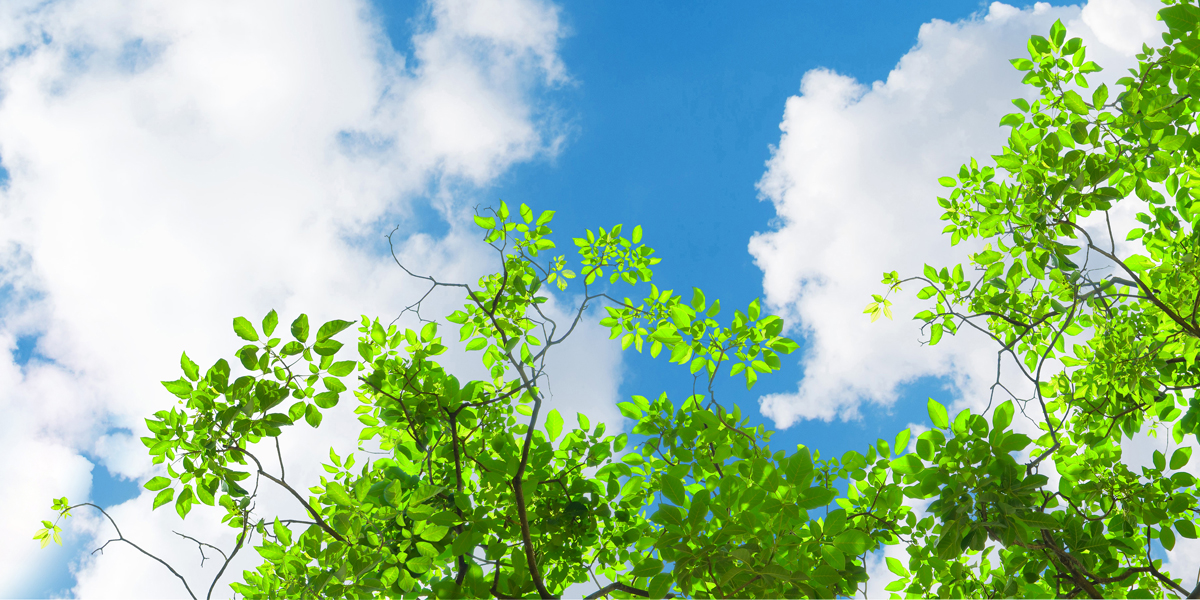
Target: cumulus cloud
x=171 y=166
x=853 y=181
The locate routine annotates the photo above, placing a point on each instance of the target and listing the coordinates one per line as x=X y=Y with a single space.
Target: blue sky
x=605 y=112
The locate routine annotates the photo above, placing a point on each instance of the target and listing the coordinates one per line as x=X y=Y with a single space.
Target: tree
x=1051 y=270
x=475 y=500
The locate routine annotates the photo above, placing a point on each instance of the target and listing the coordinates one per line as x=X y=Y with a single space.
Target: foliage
x=1050 y=273
x=473 y=499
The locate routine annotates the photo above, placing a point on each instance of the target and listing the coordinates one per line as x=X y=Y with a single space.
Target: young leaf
x=331 y=329
x=163 y=497
x=937 y=414
x=312 y=416
x=902 y=440
x=190 y=369
x=157 y=483
x=907 y=463
x=554 y=423
x=341 y=368
x=244 y=330
x=1002 y=416
x=1180 y=457
x=300 y=329
x=269 y=323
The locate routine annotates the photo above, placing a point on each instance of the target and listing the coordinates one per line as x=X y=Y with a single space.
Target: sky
x=167 y=167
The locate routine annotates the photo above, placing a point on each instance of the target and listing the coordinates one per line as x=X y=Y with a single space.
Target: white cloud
x=854 y=179
x=175 y=165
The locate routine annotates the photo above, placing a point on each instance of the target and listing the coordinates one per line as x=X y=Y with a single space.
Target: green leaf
x=1179 y=17
x=852 y=542
x=434 y=533
x=296 y=411
x=1012 y=120
x=937 y=414
x=180 y=387
x=312 y=415
x=389 y=576
x=833 y=557
x=1015 y=442
x=1058 y=32
x=816 y=497
x=1139 y=263
x=948 y=181
x=893 y=565
x=249 y=356
x=428 y=332
x=1186 y=528
x=327 y=347
x=485 y=222
x=698 y=511
x=988 y=257
x=184 y=502
x=1074 y=102
x=925 y=448
x=337 y=493
x=341 y=368
x=1181 y=457
x=1039 y=520
x=902 y=440
x=1167 y=538
x=554 y=423
x=1160 y=461
x=163 y=497
x=660 y=585
x=1171 y=143
x=907 y=463
x=1011 y=162
x=326 y=399
x=935 y=334
x=190 y=369
x=1003 y=415
x=630 y=410
x=1021 y=64
x=244 y=329
x=476 y=344
x=331 y=329
x=300 y=328
x=647 y=568
x=270 y=551
x=157 y=483
x=281 y=532
x=269 y=323
x=672 y=488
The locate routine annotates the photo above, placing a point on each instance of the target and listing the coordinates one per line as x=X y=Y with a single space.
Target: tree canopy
x=484 y=492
